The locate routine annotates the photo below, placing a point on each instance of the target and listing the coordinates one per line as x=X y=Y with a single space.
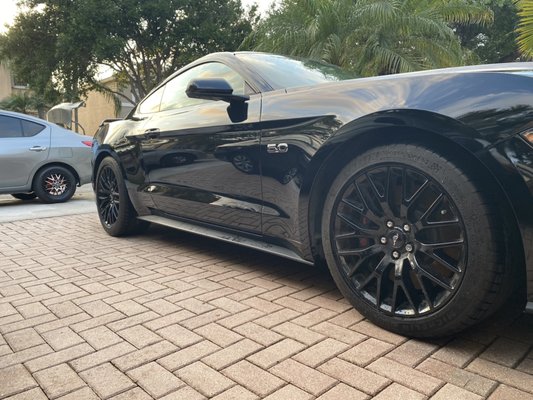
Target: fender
x=381 y=128
x=129 y=166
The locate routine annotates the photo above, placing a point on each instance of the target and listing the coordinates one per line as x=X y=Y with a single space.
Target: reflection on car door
x=24 y=145
x=185 y=155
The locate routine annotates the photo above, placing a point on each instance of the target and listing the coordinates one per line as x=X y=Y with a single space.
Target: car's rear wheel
x=412 y=242
x=24 y=196
x=54 y=184
x=117 y=214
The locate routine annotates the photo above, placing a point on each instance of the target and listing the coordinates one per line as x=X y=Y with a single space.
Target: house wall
x=99 y=107
x=5 y=82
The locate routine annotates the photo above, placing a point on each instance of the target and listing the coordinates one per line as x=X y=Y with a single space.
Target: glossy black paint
x=210 y=163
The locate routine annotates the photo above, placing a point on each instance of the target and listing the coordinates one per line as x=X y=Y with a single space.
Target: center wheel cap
x=396 y=239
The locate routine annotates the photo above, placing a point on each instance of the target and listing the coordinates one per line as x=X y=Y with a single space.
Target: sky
x=9 y=9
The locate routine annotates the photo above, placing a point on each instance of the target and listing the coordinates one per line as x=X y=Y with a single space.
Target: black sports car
x=416 y=189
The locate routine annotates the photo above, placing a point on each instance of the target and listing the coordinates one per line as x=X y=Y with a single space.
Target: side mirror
x=213 y=89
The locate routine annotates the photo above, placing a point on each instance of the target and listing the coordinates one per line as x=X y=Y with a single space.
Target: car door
x=201 y=157
x=24 y=145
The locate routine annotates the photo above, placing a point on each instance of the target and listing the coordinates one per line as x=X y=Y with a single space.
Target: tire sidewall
x=478 y=276
x=39 y=190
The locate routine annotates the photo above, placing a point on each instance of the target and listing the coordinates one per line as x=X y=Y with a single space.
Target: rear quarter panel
x=67 y=147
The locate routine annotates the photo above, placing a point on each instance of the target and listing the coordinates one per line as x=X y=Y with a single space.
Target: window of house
x=174 y=96
x=10 y=127
x=19 y=83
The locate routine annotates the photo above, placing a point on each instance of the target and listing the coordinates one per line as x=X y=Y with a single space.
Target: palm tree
x=525 y=30
x=370 y=36
x=25 y=103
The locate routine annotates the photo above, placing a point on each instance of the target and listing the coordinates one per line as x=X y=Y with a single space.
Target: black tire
x=54 y=184
x=117 y=214
x=412 y=242
x=24 y=196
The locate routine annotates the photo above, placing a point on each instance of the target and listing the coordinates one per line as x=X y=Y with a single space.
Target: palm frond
x=525 y=29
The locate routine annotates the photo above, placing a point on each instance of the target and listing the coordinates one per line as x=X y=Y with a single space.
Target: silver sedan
x=41 y=159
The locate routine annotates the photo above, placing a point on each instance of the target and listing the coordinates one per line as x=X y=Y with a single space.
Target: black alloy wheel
x=117 y=215
x=413 y=242
x=107 y=196
x=54 y=184
x=399 y=240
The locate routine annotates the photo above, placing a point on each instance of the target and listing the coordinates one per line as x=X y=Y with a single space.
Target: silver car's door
x=24 y=145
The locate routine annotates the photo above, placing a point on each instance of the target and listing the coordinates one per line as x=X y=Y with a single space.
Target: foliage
x=26 y=103
x=35 y=67
x=496 y=42
x=525 y=29
x=370 y=36
x=141 y=41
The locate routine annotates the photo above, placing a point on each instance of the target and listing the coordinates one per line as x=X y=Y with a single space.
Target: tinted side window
x=151 y=103
x=175 y=97
x=31 y=128
x=10 y=127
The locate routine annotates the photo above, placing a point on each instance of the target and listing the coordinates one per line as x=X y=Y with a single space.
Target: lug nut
x=409 y=247
x=390 y=224
x=383 y=240
x=395 y=255
x=406 y=228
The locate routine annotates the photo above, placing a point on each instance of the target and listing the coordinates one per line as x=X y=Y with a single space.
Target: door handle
x=37 y=148
x=152 y=133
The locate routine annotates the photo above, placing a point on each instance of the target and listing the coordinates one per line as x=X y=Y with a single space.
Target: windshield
x=283 y=72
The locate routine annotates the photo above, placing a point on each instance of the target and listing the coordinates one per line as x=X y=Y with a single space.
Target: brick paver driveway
x=173 y=316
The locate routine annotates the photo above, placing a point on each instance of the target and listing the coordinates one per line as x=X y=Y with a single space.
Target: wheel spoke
x=431 y=208
x=410 y=201
x=352 y=235
x=443 y=262
x=383 y=199
x=356 y=226
x=379 y=285
x=437 y=224
x=424 y=290
x=364 y=253
x=430 y=247
x=368 y=213
x=368 y=279
x=409 y=298
x=394 y=296
x=430 y=276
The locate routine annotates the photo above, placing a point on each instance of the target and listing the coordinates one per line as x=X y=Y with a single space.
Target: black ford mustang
x=416 y=190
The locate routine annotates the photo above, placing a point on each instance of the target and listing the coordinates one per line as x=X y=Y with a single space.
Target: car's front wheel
x=117 y=214
x=54 y=184
x=412 y=242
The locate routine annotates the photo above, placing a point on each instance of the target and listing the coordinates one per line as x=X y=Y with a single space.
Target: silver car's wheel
x=54 y=184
